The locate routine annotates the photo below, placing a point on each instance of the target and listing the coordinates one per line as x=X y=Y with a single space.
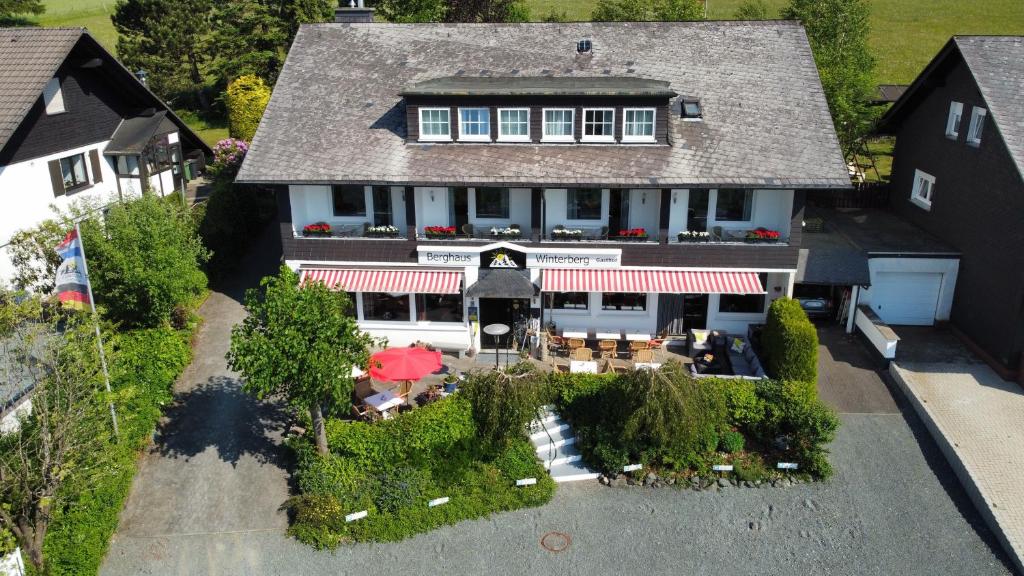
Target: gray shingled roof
x=997 y=63
x=541 y=86
x=28 y=59
x=336 y=113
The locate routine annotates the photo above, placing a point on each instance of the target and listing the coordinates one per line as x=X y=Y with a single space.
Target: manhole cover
x=555 y=541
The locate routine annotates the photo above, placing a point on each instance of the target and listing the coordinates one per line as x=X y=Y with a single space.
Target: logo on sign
x=501 y=259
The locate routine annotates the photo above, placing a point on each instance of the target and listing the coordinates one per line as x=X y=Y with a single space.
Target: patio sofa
x=743 y=360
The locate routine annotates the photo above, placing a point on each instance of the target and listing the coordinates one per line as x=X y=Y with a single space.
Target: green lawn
x=906 y=34
x=211 y=130
x=92 y=14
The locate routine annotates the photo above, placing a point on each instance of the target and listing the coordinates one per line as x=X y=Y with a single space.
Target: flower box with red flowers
x=439 y=231
x=762 y=236
x=632 y=235
x=318 y=229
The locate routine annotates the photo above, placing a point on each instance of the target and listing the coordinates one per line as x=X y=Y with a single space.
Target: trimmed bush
x=246 y=99
x=731 y=442
x=790 y=342
x=795 y=415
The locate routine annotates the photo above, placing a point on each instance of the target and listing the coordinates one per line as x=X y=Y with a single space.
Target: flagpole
x=96 y=320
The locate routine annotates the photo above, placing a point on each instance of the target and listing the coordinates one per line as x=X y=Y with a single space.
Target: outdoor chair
x=638 y=345
x=556 y=344
x=575 y=343
x=584 y=354
x=643 y=356
x=609 y=348
x=467 y=229
x=362 y=412
x=363 y=388
x=613 y=366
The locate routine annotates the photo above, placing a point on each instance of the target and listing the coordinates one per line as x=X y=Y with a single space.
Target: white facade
x=27 y=194
x=911 y=291
x=770 y=209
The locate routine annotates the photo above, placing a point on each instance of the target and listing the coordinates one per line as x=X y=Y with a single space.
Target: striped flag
x=72 y=281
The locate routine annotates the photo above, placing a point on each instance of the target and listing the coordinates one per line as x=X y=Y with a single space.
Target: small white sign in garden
x=722 y=467
x=632 y=467
x=787 y=466
x=438 y=501
x=526 y=482
x=356 y=516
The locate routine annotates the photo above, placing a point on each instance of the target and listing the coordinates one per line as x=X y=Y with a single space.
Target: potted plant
x=693 y=236
x=317 y=229
x=439 y=231
x=632 y=235
x=386 y=231
x=562 y=233
x=510 y=232
x=762 y=236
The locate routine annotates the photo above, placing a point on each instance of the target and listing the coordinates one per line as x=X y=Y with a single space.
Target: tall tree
x=300 y=342
x=45 y=451
x=752 y=10
x=167 y=39
x=13 y=8
x=454 y=10
x=838 y=34
x=648 y=10
x=248 y=37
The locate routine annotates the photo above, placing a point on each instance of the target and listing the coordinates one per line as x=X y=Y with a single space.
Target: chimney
x=356 y=11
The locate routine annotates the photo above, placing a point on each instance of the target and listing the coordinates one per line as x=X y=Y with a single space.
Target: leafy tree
x=301 y=342
x=246 y=98
x=648 y=10
x=167 y=39
x=752 y=10
x=412 y=10
x=50 y=446
x=144 y=260
x=10 y=9
x=503 y=403
x=838 y=34
x=33 y=256
x=248 y=39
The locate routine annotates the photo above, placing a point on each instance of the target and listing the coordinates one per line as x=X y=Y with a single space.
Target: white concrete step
x=563 y=455
x=544 y=449
x=572 y=472
x=554 y=428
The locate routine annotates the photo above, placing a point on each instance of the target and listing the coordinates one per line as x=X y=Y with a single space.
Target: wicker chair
x=637 y=345
x=609 y=348
x=467 y=229
x=643 y=356
x=583 y=354
x=575 y=343
x=556 y=344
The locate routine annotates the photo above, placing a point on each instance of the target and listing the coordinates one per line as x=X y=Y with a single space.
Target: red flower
x=634 y=233
x=765 y=234
x=440 y=230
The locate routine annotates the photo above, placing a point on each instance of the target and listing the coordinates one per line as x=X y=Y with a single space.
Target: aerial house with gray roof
x=633 y=178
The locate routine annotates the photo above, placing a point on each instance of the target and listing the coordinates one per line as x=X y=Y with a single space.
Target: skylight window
x=692 y=109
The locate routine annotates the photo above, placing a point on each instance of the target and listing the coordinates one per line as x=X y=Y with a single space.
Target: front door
x=511 y=312
x=695 y=311
x=382 y=206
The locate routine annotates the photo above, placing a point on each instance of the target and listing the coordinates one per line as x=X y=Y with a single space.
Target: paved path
x=978 y=419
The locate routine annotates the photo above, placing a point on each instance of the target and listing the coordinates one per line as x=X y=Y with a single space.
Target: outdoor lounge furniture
x=733 y=357
x=556 y=344
x=584 y=354
x=699 y=341
x=609 y=348
x=643 y=356
x=575 y=343
x=742 y=358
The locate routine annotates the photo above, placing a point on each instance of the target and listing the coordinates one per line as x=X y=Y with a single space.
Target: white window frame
x=463 y=137
x=956 y=114
x=545 y=137
x=920 y=195
x=583 y=132
x=53 y=97
x=654 y=125
x=978 y=115
x=514 y=137
x=435 y=137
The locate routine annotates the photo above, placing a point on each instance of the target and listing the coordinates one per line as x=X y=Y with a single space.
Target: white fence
x=877 y=332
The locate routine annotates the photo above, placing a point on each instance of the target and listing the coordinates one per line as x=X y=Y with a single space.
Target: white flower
x=386 y=229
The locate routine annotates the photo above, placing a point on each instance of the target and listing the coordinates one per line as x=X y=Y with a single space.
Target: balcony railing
x=353 y=231
x=718 y=235
x=599 y=234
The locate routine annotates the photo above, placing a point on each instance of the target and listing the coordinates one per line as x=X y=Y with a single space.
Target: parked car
x=816 y=306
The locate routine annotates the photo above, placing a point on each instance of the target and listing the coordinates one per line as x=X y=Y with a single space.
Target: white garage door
x=907 y=298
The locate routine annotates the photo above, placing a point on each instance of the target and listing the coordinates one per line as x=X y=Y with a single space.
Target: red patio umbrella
x=399 y=364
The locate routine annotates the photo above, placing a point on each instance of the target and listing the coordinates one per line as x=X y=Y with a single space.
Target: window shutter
x=94 y=159
x=56 y=178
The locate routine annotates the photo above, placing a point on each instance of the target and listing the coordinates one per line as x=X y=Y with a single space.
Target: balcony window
x=734 y=205
x=435 y=124
x=623 y=301
x=583 y=204
x=514 y=125
x=72 y=169
x=475 y=124
x=439 y=307
x=492 y=203
x=558 y=124
x=599 y=125
x=638 y=125
x=349 y=200
x=385 y=307
x=570 y=300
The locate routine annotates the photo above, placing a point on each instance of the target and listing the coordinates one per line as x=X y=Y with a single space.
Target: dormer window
x=691 y=109
x=514 y=125
x=558 y=125
x=598 y=124
x=475 y=124
x=435 y=124
x=638 y=125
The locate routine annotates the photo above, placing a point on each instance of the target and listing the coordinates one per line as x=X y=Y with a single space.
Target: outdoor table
x=583 y=366
x=647 y=365
x=383 y=401
x=574 y=333
x=637 y=336
x=608 y=335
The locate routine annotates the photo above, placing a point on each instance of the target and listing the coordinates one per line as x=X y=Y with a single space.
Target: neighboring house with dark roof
x=74 y=123
x=958 y=173
x=608 y=177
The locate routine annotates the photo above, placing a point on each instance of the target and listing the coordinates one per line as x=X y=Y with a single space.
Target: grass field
x=92 y=14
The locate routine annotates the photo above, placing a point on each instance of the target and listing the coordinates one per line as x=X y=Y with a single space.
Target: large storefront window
x=439 y=307
x=382 y=306
x=623 y=301
x=584 y=204
x=570 y=300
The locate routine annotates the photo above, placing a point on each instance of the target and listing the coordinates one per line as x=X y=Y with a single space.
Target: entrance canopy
x=502 y=283
x=657 y=281
x=391 y=281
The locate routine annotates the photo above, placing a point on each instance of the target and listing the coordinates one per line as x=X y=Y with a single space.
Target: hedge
x=246 y=99
x=790 y=342
x=144 y=366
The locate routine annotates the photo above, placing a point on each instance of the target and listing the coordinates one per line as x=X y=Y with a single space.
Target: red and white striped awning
x=657 y=281
x=392 y=281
